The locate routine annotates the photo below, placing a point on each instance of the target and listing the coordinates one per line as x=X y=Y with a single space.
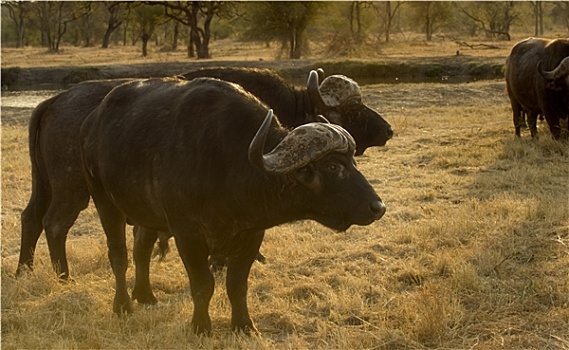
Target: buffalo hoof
x=144 y=297
x=24 y=269
x=247 y=329
x=199 y=329
x=122 y=305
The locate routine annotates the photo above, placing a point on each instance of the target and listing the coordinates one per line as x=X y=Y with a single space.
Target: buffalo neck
x=271 y=200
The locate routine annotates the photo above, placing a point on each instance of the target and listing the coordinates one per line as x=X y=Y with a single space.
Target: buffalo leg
x=194 y=253
x=532 y=122
x=61 y=215
x=238 y=267
x=554 y=127
x=519 y=119
x=32 y=227
x=114 y=223
x=144 y=240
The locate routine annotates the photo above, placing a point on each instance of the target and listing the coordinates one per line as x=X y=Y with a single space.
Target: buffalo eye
x=335 y=168
x=353 y=105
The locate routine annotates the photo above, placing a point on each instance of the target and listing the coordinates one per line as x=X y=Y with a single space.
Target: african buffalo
x=59 y=192
x=537 y=79
x=205 y=160
x=336 y=97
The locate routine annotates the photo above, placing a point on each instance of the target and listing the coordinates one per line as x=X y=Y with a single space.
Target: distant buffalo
x=336 y=97
x=537 y=79
x=206 y=161
x=59 y=192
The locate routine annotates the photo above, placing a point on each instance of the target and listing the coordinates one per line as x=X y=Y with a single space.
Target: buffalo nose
x=378 y=209
x=389 y=133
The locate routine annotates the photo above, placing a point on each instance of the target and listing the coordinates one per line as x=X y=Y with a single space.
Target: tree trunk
x=106 y=39
x=113 y=25
x=20 y=39
x=191 y=53
x=428 y=22
x=145 y=38
x=175 y=39
x=296 y=45
x=388 y=21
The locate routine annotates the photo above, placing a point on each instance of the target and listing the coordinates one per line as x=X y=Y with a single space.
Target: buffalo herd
x=216 y=156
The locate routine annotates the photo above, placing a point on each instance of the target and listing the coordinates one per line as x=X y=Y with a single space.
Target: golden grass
x=401 y=46
x=473 y=252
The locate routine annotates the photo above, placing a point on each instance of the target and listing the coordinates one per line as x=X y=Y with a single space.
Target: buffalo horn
x=257 y=145
x=304 y=144
x=313 y=88
x=561 y=70
x=321 y=75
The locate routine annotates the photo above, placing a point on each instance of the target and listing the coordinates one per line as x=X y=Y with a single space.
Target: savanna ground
x=473 y=252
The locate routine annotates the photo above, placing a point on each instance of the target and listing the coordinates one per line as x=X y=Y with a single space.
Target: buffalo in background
x=537 y=79
x=59 y=192
x=336 y=97
x=205 y=161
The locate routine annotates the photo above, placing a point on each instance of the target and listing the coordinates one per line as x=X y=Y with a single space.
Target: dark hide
x=59 y=192
x=294 y=107
x=173 y=155
x=532 y=94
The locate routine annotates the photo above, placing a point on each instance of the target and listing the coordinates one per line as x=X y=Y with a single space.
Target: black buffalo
x=206 y=161
x=337 y=97
x=59 y=192
x=537 y=79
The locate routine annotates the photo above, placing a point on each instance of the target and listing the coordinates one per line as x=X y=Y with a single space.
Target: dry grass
x=473 y=252
x=401 y=46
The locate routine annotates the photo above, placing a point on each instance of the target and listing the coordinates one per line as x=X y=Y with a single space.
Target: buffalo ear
x=309 y=178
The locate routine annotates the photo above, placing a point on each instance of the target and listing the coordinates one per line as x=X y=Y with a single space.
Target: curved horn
x=305 y=144
x=561 y=70
x=313 y=89
x=257 y=145
x=321 y=74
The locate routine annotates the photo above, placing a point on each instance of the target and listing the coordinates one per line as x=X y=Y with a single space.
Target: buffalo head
x=339 y=99
x=558 y=78
x=319 y=156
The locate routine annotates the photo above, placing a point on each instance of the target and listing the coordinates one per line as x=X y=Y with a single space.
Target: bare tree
x=147 y=19
x=54 y=17
x=114 y=20
x=430 y=14
x=538 y=15
x=197 y=15
x=494 y=17
x=355 y=16
x=18 y=12
x=561 y=10
x=285 y=22
x=387 y=10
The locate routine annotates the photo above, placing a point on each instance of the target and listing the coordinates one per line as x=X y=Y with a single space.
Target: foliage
x=284 y=22
x=346 y=27
x=431 y=15
x=148 y=18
